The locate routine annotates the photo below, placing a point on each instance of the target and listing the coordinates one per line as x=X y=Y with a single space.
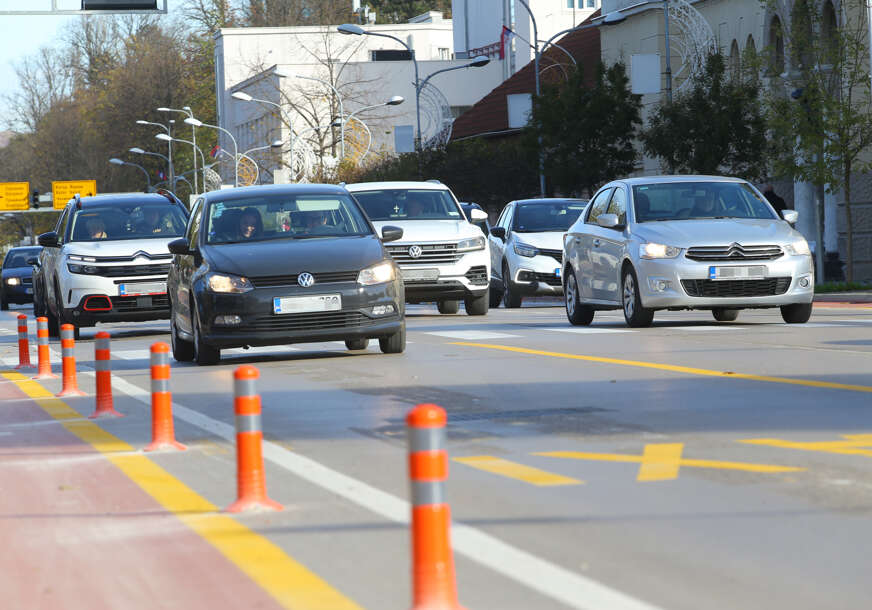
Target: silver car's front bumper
x=660 y=283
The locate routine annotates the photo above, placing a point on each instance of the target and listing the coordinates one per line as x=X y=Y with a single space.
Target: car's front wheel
x=4 y=304
x=476 y=306
x=204 y=354
x=183 y=351
x=448 y=306
x=356 y=344
x=722 y=314
x=798 y=313
x=635 y=315
x=495 y=296
x=511 y=299
x=395 y=343
x=578 y=314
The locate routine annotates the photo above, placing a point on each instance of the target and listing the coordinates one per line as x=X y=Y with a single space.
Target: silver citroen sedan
x=685 y=242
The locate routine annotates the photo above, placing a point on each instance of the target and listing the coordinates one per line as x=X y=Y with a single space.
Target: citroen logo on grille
x=415 y=251
x=306 y=280
x=736 y=251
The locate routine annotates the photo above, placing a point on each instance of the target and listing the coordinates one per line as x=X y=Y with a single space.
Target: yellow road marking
x=289 y=582
x=512 y=470
x=848 y=447
x=674 y=368
x=662 y=461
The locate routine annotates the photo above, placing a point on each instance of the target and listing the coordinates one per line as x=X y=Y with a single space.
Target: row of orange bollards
x=433 y=576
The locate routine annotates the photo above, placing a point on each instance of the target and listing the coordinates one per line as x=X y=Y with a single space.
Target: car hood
x=716 y=232
x=123 y=247
x=291 y=256
x=431 y=230
x=550 y=240
x=17 y=272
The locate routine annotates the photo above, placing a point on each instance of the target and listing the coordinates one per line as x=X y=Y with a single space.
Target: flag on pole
x=214 y=152
x=161 y=174
x=505 y=39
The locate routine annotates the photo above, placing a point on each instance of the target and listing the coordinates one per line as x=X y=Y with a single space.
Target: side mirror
x=476 y=214
x=791 y=216
x=48 y=240
x=32 y=261
x=608 y=221
x=179 y=246
x=391 y=233
x=499 y=232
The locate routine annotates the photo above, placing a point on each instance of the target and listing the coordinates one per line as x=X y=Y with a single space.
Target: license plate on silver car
x=319 y=302
x=419 y=275
x=131 y=290
x=745 y=272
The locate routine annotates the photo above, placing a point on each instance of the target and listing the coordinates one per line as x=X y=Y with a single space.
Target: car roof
x=662 y=179
x=379 y=186
x=23 y=248
x=273 y=189
x=544 y=200
x=124 y=199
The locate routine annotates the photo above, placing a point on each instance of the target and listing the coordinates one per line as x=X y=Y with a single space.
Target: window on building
x=735 y=61
x=590 y=3
x=829 y=32
x=390 y=55
x=776 y=40
x=444 y=53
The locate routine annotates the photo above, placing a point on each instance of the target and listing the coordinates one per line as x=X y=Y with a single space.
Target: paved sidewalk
x=844 y=297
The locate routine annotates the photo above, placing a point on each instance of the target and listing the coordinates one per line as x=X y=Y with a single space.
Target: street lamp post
x=165 y=138
x=395 y=100
x=169 y=144
x=244 y=97
x=187 y=110
x=138 y=151
x=197 y=123
x=117 y=161
x=341 y=110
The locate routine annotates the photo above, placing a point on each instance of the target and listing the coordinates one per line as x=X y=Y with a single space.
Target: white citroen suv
x=442 y=256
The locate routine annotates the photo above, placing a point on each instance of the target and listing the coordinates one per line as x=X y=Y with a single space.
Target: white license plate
x=319 y=302
x=411 y=275
x=132 y=290
x=747 y=272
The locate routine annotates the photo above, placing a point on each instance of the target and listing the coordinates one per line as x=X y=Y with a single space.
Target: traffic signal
x=34 y=199
x=119 y=5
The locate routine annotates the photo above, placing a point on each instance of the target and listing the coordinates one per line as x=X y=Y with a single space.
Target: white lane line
x=702 y=328
x=865 y=321
x=588 y=330
x=548 y=579
x=470 y=335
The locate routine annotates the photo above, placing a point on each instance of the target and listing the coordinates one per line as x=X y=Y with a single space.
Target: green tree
x=586 y=129
x=717 y=127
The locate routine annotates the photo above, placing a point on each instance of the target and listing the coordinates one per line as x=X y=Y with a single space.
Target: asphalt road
x=692 y=465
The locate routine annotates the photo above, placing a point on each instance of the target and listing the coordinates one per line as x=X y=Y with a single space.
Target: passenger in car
x=96 y=228
x=250 y=224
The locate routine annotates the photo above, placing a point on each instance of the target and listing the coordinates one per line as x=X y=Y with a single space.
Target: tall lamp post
x=190 y=113
x=138 y=151
x=244 y=97
x=197 y=123
x=165 y=138
x=395 y=100
x=169 y=132
x=117 y=161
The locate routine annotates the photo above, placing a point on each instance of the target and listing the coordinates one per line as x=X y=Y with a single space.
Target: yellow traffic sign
x=14 y=195
x=64 y=190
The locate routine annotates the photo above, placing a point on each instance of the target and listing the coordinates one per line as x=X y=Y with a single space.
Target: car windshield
x=18 y=258
x=695 y=200
x=284 y=216
x=409 y=204
x=551 y=216
x=116 y=222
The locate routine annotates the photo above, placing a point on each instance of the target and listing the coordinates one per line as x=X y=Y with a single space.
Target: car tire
x=448 y=306
x=395 y=343
x=4 y=304
x=635 y=315
x=356 y=344
x=798 y=313
x=722 y=314
x=476 y=306
x=183 y=351
x=495 y=297
x=578 y=314
x=204 y=354
x=511 y=299
x=38 y=305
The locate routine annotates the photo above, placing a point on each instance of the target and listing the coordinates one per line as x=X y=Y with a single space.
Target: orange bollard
x=104 y=378
x=433 y=581
x=23 y=344
x=163 y=434
x=250 y=475
x=68 y=359
x=43 y=357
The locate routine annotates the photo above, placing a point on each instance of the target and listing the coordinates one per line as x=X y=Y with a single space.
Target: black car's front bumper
x=260 y=326
x=20 y=294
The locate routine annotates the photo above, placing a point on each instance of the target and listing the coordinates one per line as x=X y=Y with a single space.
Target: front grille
x=291 y=280
x=736 y=288
x=555 y=254
x=27 y=281
x=552 y=279
x=157 y=302
x=301 y=322
x=127 y=259
x=131 y=270
x=477 y=275
x=734 y=252
x=431 y=254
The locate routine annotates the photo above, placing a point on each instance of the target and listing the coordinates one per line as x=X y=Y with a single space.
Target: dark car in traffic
x=17 y=281
x=282 y=264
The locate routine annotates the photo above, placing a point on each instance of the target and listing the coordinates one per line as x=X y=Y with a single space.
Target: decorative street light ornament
x=693 y=40
x=436 y=119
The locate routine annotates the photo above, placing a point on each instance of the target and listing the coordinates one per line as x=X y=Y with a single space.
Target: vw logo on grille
x=415 y=251
x=305 y=280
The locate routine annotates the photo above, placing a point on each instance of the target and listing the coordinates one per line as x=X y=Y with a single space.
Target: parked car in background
x=526 y=246
x=17 y=280
x=107 y=259
x=279 y=264
x=685 y=242
x=443 y=258
x=480 y=219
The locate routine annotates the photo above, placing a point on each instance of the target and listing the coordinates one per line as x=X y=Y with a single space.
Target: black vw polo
x=280 y=264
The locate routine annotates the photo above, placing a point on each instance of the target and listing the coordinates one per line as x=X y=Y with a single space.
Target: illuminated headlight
x=468 y=245
x=377 y=274
x=12 y=281
x=522 y=249
x=383 y=310
x=798 y=248
x=222 y=282
x=85 y=259
x=650 y=250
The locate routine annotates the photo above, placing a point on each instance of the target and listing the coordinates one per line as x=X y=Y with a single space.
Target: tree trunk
x=849 y=225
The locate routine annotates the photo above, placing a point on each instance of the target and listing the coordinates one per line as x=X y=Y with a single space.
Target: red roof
x=490 y=115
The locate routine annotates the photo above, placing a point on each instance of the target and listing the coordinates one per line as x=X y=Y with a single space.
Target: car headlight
x=474 y=243
x=222 y=282
x=522 y=249
x=798 y=248
x=377 y=274
x=13 y=281
x=79 y=257
x=86 y=269
x=651 y=250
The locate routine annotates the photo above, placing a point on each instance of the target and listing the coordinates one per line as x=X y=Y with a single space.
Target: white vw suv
x=107 y=259
x=442 y=256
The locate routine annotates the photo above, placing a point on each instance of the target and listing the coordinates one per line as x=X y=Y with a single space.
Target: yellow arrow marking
x=662 y=461
x=512 y=470
x=847 y=447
